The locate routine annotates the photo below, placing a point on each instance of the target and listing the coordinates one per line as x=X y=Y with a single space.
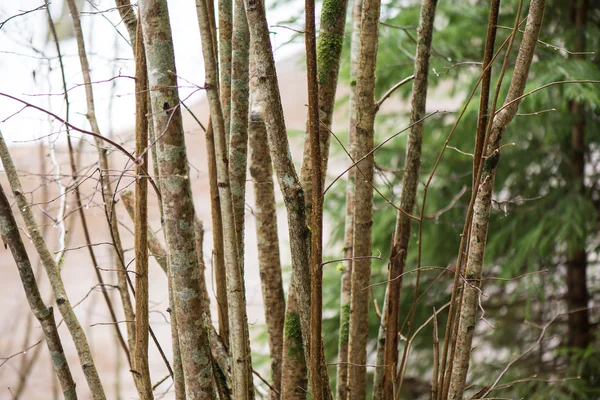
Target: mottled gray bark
x=408 y=196
x=238 y=133
x=53 y=272
x=346 y=281
x=481 y=211
x=239 y=343
x=177 y=201
x=268 y=102
x=265 y=212
x=364 y=108
x=44 y=314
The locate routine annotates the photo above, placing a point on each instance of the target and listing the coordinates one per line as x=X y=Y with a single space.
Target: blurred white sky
x=30 y=70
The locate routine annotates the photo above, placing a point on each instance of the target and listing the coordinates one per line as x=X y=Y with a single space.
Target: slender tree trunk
x=238 y=133
x=265 y=212
x=53 y=272
x=268 y=102
x=239 y=337
x=329 y=51
x=294 y=381
x=218 y=245
x=364 y=109
x=346 y=289
x=225 y=52
x=45 y=315
x=140 y=351
x=577 y=293
x=481 y=212
x=408 y=196
x=316 y=279
x=177 y=199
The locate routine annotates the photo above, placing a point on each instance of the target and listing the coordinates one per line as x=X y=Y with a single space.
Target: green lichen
x=345 y=324
x=293 y=336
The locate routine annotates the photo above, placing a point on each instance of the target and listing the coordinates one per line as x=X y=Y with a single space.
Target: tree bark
x=265 y=212
x=238 y=133
x=268 y=102
x=239 y=337
x=364 y=109
x=346 y=281
x=142 y=324
x=401 y=239
x=44 y=314
x=177 y=199
x=481 y=211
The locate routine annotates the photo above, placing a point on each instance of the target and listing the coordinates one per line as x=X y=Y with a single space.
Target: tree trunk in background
x=577 y=293
x=177 y=198
x=364 y=108
x=401 y=238
x=265 y=212
x=224 y=50
x=45 y=315
x=481 y=211
x=346 y=281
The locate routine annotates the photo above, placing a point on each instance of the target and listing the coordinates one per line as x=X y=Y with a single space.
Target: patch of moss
x=329 y=49
x=345 y=324
x=491 y=162
x=293 y=336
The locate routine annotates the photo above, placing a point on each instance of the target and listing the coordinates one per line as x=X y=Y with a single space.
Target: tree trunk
x=577 y=294
x=408 y=196
x=346 y=281
x=239 y=336
x=481 y=212
x=177 y=199
x=265 y=212
x=364 y=109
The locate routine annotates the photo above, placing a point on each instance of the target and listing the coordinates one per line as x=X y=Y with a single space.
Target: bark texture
x=56 y=282
x=178 y=206
x=238 y=133
x=408 y=196
x=364 y=108
x=269 y=261
x=239 y=343
x=346 y=281
x=142 y=323
x=481 y=211
x=268 y=102
x=45 y=315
